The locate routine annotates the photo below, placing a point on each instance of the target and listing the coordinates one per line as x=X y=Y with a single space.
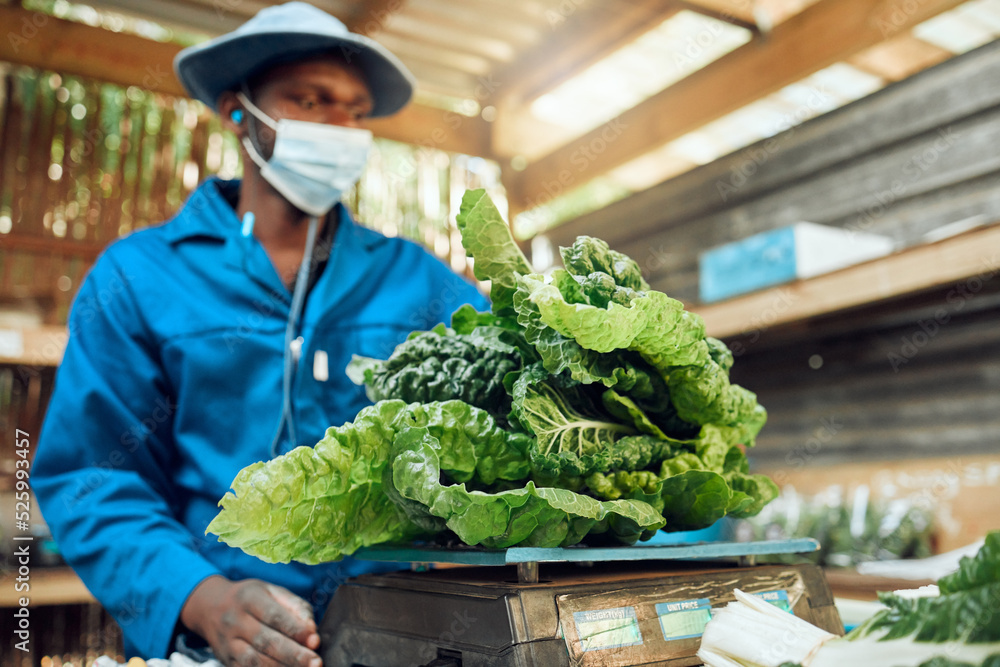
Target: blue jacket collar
x=208 y=213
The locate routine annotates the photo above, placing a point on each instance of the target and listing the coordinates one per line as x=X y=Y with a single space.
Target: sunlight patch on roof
x=963 y=28
x=682 y=44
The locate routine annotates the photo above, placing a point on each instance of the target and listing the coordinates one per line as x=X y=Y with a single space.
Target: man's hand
x=253 y=623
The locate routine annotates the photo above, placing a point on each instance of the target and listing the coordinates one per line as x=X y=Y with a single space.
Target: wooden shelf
x=847 y=583
x=42 y=346
x=49 y=586
x=974 y=254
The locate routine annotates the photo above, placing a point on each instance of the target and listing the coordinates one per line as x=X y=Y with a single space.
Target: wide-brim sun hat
x=282 y=34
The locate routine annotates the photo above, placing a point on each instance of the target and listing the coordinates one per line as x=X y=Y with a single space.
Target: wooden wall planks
x=915 y=156
x=919 y=379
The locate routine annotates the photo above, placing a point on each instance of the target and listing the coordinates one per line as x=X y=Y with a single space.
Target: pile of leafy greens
x=584 y=406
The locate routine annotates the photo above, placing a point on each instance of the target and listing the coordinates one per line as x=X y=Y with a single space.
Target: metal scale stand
x=578 y=606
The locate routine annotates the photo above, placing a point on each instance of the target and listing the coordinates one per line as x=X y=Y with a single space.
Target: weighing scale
x=577 y=606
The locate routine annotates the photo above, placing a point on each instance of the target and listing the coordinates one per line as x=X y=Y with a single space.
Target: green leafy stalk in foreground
x=955 y=624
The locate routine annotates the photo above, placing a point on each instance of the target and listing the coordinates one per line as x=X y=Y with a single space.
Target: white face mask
x=312 y=163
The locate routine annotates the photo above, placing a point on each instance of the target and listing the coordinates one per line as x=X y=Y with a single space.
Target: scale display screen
x=607 y=628
x=684 y=619
x=778 y=598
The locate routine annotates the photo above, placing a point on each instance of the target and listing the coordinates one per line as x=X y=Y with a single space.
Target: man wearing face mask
x=221 y=337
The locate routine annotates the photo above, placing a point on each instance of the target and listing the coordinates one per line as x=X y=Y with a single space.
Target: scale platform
x=579 y=606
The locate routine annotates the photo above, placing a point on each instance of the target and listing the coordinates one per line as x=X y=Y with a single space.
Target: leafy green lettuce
x=527 y=516
x=403 y=471
x=315 y=504
x=442 y=365
x=585 y=404
x=487 y=238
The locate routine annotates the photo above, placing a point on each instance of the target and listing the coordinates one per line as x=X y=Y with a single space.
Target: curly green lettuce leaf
x=317 y=504
x=623 y=370
x=441 y=365
x=652 y=324
x=588 y=255
x=487 y=239
x=688 y=500
x=698 y=482
x=527 y=516
x=571 y=435
x=704 y=395
x=581 y=324
x=626 y=410
x=473 y=447
x=750 y=493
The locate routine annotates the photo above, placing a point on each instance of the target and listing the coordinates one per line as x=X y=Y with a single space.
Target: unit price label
x=778 y=598
x=684 y=619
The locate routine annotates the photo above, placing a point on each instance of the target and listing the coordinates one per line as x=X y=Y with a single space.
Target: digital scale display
x=607 y=628
x=685 y=619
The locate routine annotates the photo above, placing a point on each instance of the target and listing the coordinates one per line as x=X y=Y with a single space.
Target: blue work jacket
x=172 y=382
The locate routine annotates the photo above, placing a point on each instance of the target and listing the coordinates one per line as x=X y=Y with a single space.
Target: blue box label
x=754 y=263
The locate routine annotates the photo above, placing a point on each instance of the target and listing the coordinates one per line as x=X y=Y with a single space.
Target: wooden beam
x=42 y=346
x=579 y=38
x=899 y=57
x=441 y=55
x=435 y=128
x=49 y=586
x=825 y=33
x=372 y=16
x=39 y=40
x=479 y=43
x=720 y=15
x=494 y=18
x=46 y=42
x=445 y=80
x=582 y=39
x=48 y=245
x=739 y=10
